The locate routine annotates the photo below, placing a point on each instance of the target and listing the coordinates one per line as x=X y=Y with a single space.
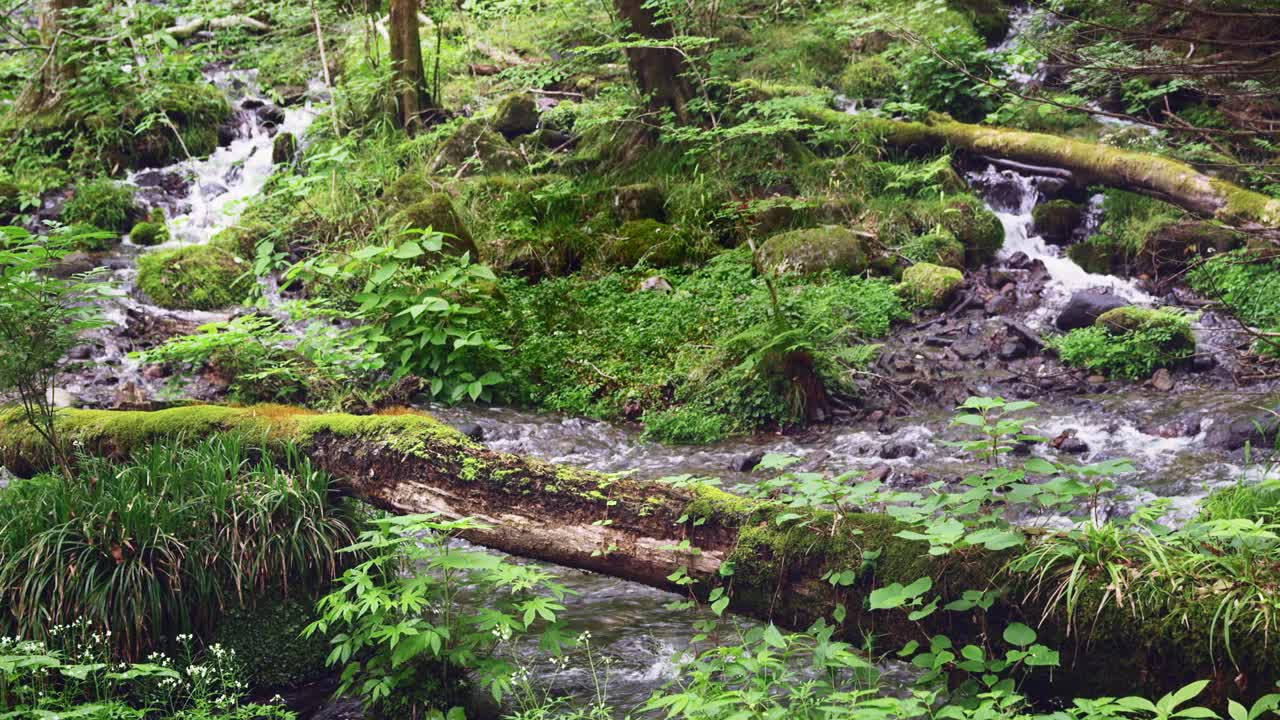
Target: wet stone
x=1162 y=380
x=969 y=348
x=878 y=473
x=748 y=462
x=898 y=449
x=1012 y=350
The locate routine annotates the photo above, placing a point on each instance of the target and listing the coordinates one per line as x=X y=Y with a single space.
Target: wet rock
x=131 y=397
x=969 y=348
x=284 y=148
x=74 y=264
x=472 y=430
x=1019 y=261
x=155 y=372
x=1056 y=221
x=553 y=139
x=171 y=183
x=1068 y=442
x=60 y=398
x=80 y=352
x=1012 y=350
x=898 y=449
x=748 y=462
x=1203 y=362
x=1259 y=431
x=212 y=190
x=657 y=284
x=1096 y=379
x=1183 y=427
x=999 y=304
x=877 y=473
x=1162 y=380
x=1085 y=307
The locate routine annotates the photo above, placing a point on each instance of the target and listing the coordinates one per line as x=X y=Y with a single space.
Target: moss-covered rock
x=939 y=247
x=815 y=250
x=1130 y=319
x=437 y=213
x=195 y=109
x=149 y=233
x=1171 y=246
x=929 y=285
x=976 y=227
x=474 y=148
x=243 y=237
x=412 y=186
x=642 y=201
x=649 y=242
x=103 y=203
x=516 y=115
x=869 y=77
x=194 y=277
x=283 y=148
x=1056 y=221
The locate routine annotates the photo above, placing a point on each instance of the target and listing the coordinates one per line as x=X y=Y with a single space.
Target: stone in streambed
x=1056 y=221
x=1085 y=307
x=896 y=449
x=284 y=148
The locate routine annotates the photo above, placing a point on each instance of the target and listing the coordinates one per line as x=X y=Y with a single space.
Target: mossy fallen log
x=648 y=531
x=1088 y=163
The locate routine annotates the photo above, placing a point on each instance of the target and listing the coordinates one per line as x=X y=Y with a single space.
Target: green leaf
x=996 y=539
x=408 y=251
x=1019 y=635
x=773 y=637
x=1039 y=466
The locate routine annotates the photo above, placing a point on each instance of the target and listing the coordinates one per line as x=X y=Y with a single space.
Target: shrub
x=163 y=543
x=1129 y=342
x=102 y=203
x=1248 y=284
x=684 y=426
x=266 y=638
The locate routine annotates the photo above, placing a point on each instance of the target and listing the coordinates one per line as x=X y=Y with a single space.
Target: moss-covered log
x=646 y=531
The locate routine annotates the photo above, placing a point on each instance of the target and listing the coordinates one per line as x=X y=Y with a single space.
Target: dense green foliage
x=1129 y=343
x=1248 y=284
x=705 y=359
x=164 y=543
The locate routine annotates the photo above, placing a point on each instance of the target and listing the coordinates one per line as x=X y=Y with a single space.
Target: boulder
x=516 y=115
x=1260 y=431
x=436 y=212
x=1085 y=307
x=1125 y=320
x=642 y=201
x=473 y=148
x=649 y=242
x=819 y=249
x=284 y=148
x=1169 y=248
x=1056 y=221
x=194 y=277
x=930 y=285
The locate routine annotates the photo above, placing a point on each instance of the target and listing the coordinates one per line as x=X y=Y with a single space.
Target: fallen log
x=188 y=29
x=654 y=533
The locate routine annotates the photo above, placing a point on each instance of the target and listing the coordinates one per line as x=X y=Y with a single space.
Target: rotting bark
x=634 y=529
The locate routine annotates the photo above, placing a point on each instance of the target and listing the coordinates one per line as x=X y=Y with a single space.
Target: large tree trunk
x=414 y=103
x=645 y=531
x=45 y=88
x=659 y=72
x=1090 y=163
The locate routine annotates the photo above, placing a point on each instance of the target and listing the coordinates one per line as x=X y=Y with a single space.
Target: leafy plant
x=405 y=641
x=41 y=319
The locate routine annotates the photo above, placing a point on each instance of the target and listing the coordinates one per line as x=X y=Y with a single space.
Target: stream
x=1173 y=437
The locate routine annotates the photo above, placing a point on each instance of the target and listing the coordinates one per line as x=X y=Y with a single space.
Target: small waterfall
x=1013 y=197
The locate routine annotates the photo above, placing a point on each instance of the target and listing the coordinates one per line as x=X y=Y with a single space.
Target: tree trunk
x=1089 y=163
x=45 y=89
x=414 y=104
x=659 y=72
x=647 y=531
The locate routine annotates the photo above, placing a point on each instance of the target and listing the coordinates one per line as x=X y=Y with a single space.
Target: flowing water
x=1166 y=435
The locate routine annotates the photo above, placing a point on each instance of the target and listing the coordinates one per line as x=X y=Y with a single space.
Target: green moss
x=148 y=233
x=685 y=426
x=930 y=285
x=1055 y=221
x=412 y=186
x=1129 y=342
x=194 y=277
x=102 y=203
x=640 y=201
x=649 y=242
x=939 y=247
x=1131 y=319
x=516 y=115
x=816 y=250
x=436 y=212
x=869 y=77
x=473 y=148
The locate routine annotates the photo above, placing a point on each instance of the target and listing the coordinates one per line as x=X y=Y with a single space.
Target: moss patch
x=436 y=212
x=195 y=277
x=930 y=285
x=816 y=250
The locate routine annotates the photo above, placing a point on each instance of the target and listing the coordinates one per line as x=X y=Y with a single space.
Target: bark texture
x=45 y=89
x=645 y=531
x=659 y=72
x=413 y=100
